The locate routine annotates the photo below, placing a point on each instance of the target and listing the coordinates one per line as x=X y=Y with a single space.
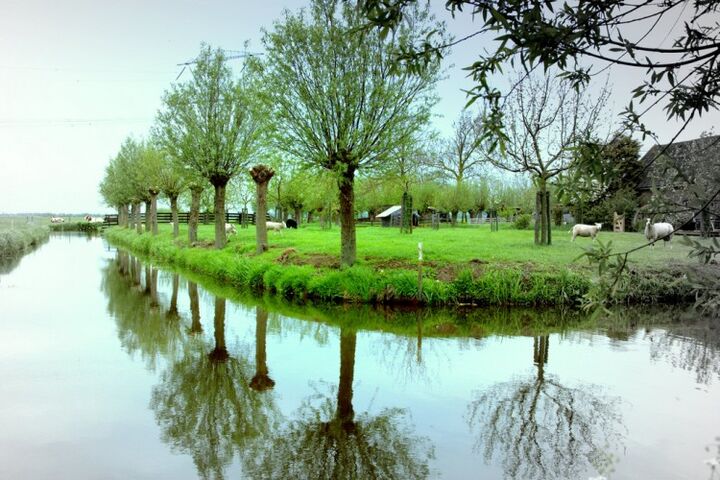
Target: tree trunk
x=220 y=234
x=261 y=243
x=542 y=205
x=347 y=217
x=219 y=353
x=194 y=215
x=174 y=213
x=148 y=227
x=704 y=223
x=345 y=412
x=537 y=217
x=131 y=216
x=309 y=219
x=123 y=216
x=195 y=326
x=548 y=218
x=138 y=224
x=153 y=212
x=298 y=215
x=261 y=381
x=453 y=217
x=261 y=175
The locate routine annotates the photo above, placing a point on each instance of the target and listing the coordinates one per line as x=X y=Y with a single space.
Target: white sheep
x=657 y=231
x=581 y=230
x=230 y=229
x=277 y=226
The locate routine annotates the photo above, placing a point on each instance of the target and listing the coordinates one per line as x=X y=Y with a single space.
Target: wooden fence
x=205 y=217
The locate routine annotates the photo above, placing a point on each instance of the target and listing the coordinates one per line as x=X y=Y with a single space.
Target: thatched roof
x=684 y=155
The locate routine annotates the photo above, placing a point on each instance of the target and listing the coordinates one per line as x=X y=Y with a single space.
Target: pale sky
x=78 y=76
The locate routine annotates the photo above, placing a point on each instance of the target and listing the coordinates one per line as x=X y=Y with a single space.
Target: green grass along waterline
x=386 y=271
x=18 y=236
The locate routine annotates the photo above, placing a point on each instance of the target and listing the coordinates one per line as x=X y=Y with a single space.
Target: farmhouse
x=687 y=175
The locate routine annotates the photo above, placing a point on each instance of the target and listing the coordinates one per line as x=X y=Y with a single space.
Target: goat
x=581 y=230
x=657 y=231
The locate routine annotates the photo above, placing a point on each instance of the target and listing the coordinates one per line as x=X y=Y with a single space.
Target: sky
x=78 y=76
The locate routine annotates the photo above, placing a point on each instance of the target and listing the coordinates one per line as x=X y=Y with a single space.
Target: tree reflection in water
x=172 y=311
x=195 y=326
x=690 y=344
x=205 y=406
x=542 y=429
x=327 y=440
x=685 y=338
x=141 y=327
x=261 y=381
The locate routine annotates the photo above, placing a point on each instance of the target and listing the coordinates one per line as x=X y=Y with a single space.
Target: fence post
x=420 y=262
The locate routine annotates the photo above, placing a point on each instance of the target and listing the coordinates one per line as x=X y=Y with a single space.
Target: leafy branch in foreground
x=615 y=275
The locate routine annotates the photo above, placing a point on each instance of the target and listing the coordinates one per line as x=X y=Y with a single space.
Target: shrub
x=522 y=222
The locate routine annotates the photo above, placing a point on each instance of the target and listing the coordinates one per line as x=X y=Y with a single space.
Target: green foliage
x=517 y=273
x=522 y=221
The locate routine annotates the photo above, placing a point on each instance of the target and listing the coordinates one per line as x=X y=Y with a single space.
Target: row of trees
x=328 y=107
x=322 y=97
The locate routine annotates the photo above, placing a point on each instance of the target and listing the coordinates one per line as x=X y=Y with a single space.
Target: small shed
x=391 y=216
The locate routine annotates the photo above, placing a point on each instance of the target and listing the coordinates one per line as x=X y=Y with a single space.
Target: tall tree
x=172 y=182
x=604 y=173
x=338 y=102
x=149 y=172
x=546 y=120
x=212 y=125
x=458 y=157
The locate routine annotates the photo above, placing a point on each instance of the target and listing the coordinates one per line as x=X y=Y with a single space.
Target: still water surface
x=113 y=369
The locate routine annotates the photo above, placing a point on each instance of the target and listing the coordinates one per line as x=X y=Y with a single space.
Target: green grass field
x=462 y=265
x=461 y=244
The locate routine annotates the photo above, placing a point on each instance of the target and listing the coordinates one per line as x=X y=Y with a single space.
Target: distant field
x=376 y=245
x=35 y=219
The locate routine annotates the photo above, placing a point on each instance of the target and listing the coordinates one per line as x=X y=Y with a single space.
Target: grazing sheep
x=290 y=223
x=657 y=231
x=230 y=229
x=57 y=220
x=581 y=230
x=277 y=226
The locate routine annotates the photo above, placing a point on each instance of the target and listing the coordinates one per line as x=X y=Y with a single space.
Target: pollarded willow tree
x=173 y=182
x=545 y=121
x=338 y=102
x=211 y=125
x=115 y=189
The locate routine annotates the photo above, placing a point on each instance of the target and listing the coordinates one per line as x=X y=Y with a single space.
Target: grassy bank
x=80 y=226
x=463 y=266
x=387 y=281
x=16 y=237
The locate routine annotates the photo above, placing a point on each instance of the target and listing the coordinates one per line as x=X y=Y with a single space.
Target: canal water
x=111 y=368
